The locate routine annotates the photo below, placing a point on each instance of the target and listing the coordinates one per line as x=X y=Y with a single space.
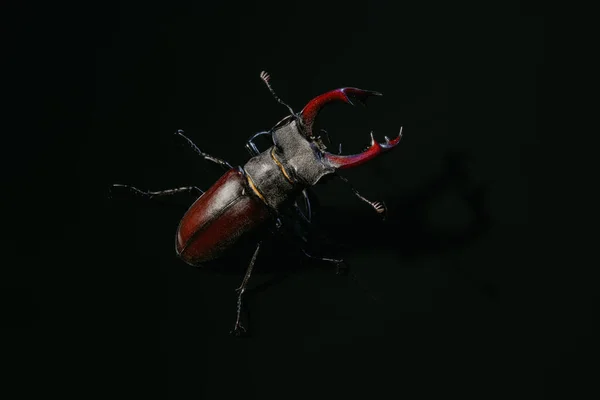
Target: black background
x=472 y=301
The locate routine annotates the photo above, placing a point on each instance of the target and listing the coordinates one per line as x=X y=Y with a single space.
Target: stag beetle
x=250 y=196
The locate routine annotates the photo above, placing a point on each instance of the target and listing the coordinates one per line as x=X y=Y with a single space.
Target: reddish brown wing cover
x=219 y=218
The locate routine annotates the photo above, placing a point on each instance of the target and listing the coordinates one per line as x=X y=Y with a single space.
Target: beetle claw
x=265 y=76
x=238 y=330
x=380 y=208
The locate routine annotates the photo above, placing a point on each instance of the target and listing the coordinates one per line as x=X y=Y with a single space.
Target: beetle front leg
x=379 y=207
x=206 y=156
x=238 y=329
x=251 y=146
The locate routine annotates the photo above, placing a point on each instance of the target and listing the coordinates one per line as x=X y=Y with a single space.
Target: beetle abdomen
x=219 y=218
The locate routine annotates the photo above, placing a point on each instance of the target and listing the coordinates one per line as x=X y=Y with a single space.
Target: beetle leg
x=340 y=264
x=307 y=204
x=238 y=329
x=379 y=207
x=167 y=192
x=251 y=147
x=307 y=217
x=208 y=157
x=340 y=267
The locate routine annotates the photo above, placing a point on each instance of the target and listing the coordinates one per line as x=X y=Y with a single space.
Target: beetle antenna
x=265 y=78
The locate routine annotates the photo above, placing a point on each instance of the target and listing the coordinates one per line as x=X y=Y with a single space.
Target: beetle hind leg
x=238 y=328
x=340 y=266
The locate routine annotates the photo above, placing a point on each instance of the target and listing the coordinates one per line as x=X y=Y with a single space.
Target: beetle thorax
x=299 y=156
x=278 y=174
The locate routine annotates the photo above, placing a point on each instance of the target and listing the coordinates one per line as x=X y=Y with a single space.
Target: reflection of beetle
x=248 y=197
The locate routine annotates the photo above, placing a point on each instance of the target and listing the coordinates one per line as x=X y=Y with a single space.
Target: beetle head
x=303 y=154
x=303 y=123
